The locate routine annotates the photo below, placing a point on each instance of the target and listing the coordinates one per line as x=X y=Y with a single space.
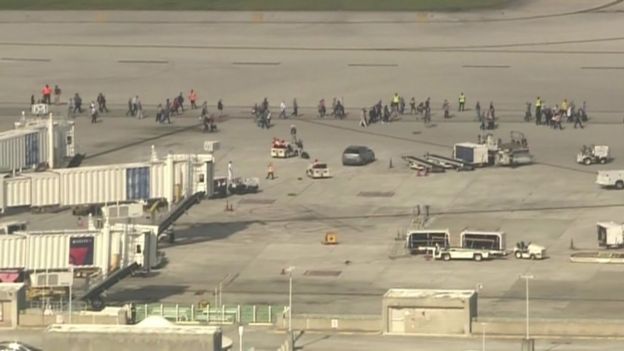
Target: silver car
x=355 y=155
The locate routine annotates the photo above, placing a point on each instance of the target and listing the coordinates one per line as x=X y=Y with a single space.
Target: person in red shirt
x=46 y=92
x=193 y=98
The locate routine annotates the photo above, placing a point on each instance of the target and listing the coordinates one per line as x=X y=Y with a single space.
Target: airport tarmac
x=554 y=202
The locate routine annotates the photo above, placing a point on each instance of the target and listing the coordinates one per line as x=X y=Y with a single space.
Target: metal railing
x=224 y=314
x=57 y=306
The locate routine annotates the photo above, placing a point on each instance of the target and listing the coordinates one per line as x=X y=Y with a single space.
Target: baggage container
x=476 y=154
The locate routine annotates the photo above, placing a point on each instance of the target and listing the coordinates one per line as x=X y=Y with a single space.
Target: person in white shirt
x=230 y=172
x=282 y=110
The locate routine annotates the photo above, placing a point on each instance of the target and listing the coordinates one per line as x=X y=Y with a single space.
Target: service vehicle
x=419 y=241
x=494 y=242
x=529 y=251
x=593 y=154
x=610 y=235
x=609 y=179
x=283 y=149
x=514 y=153
x=318 y=171
x=241 y=186
x=356 y=155
x=455 y=253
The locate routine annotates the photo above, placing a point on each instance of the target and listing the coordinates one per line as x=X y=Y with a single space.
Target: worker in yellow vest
x=564 y=106
x=396 y=99
x=538 y=111
x=462 y=102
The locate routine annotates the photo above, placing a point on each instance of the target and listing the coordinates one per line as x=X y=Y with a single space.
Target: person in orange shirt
x=193 y=99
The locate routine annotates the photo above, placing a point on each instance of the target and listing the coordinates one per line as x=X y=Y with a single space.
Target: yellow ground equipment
x=331 y=238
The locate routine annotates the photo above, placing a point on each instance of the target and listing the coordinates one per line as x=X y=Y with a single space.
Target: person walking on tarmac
x=270 y=171
x=413 y=106
x=93 y=111
x=193 y=99
x=220 y=107
x=293 y=132
x=363 y=123
x=462 y=102
x=295 y=112
x=538 y=110
x=446 y=108
x=396 y=99
x=578 y=120
x=57 y=95
x=101 y=100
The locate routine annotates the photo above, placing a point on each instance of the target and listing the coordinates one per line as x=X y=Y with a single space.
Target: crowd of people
x=164 y=111
x=554 y=116
x=379 y=112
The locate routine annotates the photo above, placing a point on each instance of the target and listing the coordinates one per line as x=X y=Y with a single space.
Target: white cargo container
x=475 y=154
x=36 y=142
x=494 y=242
x=171 y=178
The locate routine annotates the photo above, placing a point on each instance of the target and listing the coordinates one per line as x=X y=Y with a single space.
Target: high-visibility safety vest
x=538 y=103
x=395 y=99
x=462 y=99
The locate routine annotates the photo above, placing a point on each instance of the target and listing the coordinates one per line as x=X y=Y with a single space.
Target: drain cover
x=257 y=201
x=376 y=194
x=322 y=273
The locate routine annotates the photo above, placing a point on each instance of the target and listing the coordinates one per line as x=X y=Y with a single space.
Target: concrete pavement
x=551 y=203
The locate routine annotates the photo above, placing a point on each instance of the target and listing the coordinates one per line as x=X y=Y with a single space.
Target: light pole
x=240 y=337
x=290 y=270
x=71 y=284
x=482 y=336
x=526 y=278
x=290 y=290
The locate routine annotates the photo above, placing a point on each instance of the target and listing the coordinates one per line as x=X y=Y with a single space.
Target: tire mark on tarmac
x=597 y=9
